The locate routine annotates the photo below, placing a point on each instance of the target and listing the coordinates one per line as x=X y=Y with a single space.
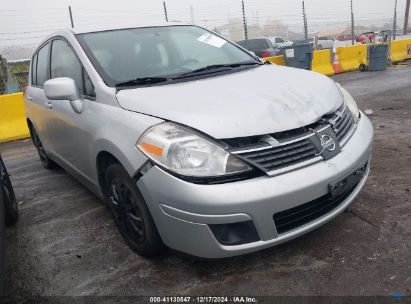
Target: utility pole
x=165 y=11
x=394 y=24
x=352 y=24
x=192 y=14
x=407 y=14
x=244 y=21
x=305 y=24
x=71 y=17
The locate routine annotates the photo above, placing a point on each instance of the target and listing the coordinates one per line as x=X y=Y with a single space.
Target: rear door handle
x=49 y=105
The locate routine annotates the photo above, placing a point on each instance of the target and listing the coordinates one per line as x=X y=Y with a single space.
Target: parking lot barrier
x=322 y=62
x=400 y=50
x=351 y=57
x=279 y=60
x=13 y=123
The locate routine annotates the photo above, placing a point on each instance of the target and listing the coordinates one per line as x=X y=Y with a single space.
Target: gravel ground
x=66 y=243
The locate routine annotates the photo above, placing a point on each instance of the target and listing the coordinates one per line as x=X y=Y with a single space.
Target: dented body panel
x=262 y=100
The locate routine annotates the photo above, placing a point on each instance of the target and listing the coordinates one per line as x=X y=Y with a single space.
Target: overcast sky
x=24 y=21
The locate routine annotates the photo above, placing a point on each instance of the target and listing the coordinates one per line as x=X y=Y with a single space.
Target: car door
x=72 y=132
x=38 y=104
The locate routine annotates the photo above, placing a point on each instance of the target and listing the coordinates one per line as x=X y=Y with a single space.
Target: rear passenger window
x=64 y=63
x=42 y=65
x=34 y=70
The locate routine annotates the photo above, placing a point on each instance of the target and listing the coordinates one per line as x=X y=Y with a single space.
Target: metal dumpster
x=298 y=55
x=377 y=57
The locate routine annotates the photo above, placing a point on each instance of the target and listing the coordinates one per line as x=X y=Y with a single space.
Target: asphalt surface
x=66 y=243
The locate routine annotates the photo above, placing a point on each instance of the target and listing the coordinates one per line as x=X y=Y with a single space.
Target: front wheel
x=130 y=212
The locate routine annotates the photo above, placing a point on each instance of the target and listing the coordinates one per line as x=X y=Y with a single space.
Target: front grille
x=294 y=147
x=283 y=156
x=343 y=124
x=303 y=214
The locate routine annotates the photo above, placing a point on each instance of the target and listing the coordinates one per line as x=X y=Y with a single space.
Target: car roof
x=102 y=28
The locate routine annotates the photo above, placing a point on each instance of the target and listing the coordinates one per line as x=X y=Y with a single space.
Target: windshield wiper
x=215 y=67
x=141 y=81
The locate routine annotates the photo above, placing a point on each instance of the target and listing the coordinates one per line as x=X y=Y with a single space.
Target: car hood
x=258 y=101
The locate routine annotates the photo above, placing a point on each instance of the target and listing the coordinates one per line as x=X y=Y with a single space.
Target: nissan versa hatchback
x=192 y=141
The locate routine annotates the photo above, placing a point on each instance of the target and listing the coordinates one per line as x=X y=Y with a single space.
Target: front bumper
x=182 y=211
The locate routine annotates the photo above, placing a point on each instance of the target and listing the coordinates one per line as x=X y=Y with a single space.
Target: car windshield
x=154 y=52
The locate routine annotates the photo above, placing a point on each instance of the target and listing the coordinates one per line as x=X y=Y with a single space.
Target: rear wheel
x=130 y=212
x=45 y=160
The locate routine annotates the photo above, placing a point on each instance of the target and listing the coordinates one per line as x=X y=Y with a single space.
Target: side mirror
x=62 y=88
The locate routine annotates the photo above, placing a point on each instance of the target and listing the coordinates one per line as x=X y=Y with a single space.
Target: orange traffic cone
x=336 y=64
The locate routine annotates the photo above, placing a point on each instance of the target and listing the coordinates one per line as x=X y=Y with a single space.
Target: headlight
x=182 y=151
x=350 y=102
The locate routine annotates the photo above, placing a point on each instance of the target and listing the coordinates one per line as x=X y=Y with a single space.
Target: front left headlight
x=350 y=102
x=184 y=152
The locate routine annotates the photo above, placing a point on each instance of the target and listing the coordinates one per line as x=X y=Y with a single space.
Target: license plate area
x=346 y=183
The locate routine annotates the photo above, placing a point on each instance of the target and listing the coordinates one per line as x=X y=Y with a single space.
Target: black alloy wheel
x=130 y=213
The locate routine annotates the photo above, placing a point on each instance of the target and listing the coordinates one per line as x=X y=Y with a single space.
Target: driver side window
x=64 y=63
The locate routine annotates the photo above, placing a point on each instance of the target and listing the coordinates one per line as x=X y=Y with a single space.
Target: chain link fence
x=231 y=20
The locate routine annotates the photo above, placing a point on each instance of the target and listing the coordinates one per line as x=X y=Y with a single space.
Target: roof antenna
x=71 y=17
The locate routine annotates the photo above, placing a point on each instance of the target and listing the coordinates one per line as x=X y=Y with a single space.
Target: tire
x=11 y=210
x=130 y=213
x=319 y=47
x=363 y=67
x=45 y=160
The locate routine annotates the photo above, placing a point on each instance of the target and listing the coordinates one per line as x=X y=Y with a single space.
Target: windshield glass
x=122 y=55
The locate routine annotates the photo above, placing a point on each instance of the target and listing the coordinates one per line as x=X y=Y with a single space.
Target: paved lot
x=66 y=243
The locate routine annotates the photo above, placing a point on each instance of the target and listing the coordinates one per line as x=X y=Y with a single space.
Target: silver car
x=192 y=141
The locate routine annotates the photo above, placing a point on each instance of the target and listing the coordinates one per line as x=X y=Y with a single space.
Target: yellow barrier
x=322 y=62
x=352 y=56
x=13 y=124
x=279 y=60
x=400 y=50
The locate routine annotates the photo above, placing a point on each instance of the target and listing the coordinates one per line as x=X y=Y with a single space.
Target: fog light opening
x=235 y=233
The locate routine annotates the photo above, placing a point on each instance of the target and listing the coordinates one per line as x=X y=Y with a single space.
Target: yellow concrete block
x=13 y=123
x=352 y=56
x=400 y=50
x=279 y=60
x=322 y=62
